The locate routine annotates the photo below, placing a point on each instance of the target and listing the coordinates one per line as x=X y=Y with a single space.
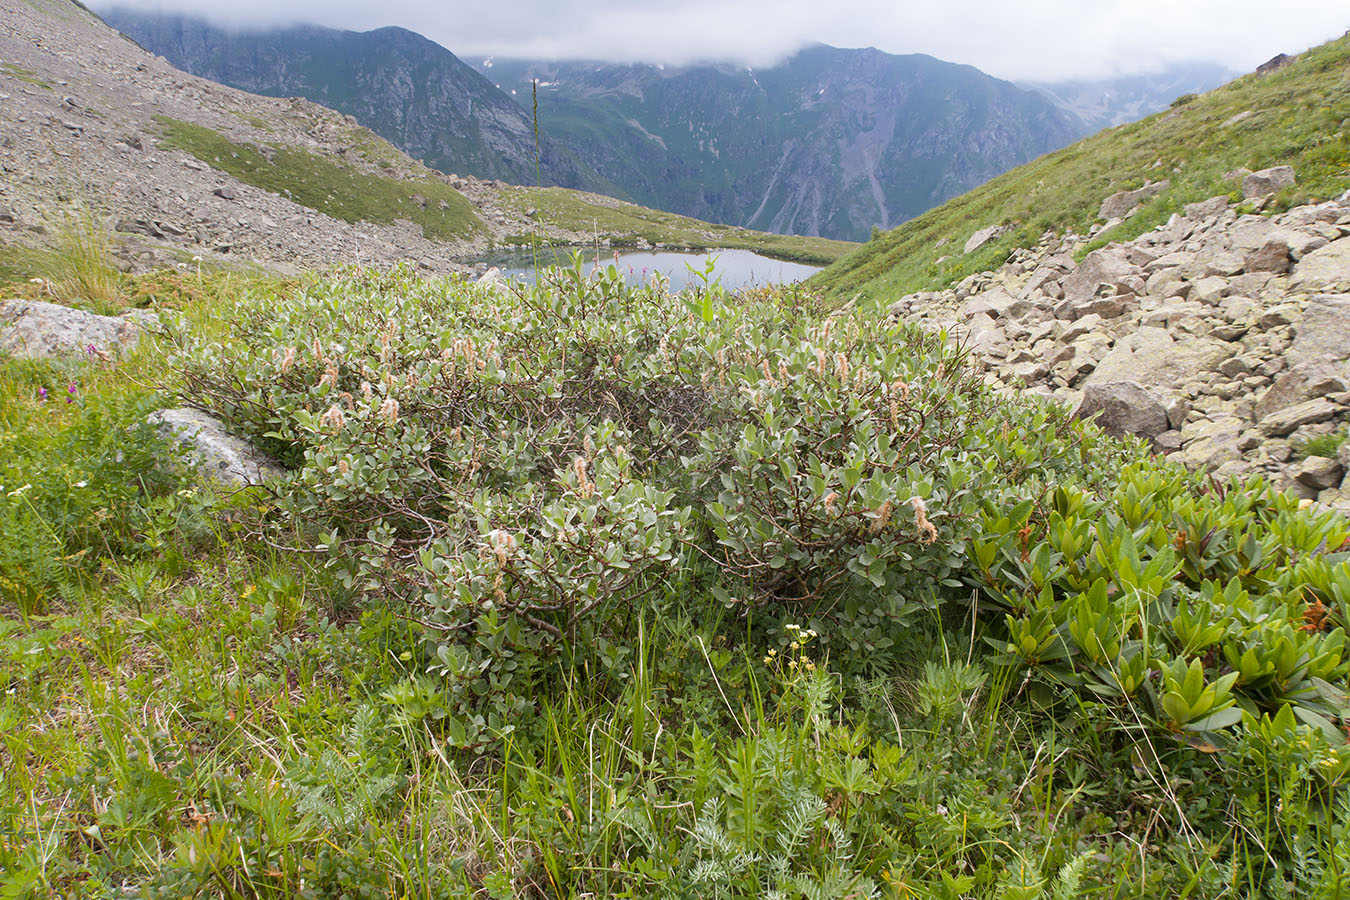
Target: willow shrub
x=543 y=462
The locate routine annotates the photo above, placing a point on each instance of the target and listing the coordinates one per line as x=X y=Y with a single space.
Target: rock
x=1273 y=256
x=1284 y=421
x=226 y=193
x=1177 y=259
x=983 y=336
x=38 y=330
x=1178 y=408
x=984 y=236
x=1267 y=181
x=1155 y=358
x=1081 y=326
x=1326 y=269
x=139 y=226
x=1225 y=263
x=1274 y=64
x=1207 y=209
x=1319 y=472
x=1335 y=499
x=1323 y=330
x=1209 y=444
x=1167 y=442
x=6 y=215
x=1168 y=283
x=997 y=303
x=1121 y=204
x=1102 y=307
x=1122 y=408
x=1103 y=272
x=1210 y=289
x=218 y=453
x=1277 y=316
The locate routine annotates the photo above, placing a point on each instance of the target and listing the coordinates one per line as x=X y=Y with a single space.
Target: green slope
x=627 y=224
x=1298 y=115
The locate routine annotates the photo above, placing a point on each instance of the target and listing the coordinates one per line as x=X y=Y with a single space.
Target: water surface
x=735 y=269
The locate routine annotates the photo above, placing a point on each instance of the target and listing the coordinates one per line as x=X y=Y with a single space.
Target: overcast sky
x=1015 y=39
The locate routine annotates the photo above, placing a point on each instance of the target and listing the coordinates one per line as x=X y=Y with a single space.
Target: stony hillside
x=1149 y=278
x=96 y=132
x=1221 y=337
x=404 y=87
x=92 y=121
x=829 y=142
x=1293 y=114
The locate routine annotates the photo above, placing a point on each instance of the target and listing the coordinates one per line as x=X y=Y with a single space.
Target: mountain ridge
x=831 y=142
x=403 y=86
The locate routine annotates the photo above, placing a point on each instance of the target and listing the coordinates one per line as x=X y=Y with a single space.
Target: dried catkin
x=332 y=418
x=927 y=532
x=883 y=516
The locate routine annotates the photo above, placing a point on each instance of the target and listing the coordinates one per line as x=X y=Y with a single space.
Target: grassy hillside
x=627 y=224
x=327 y=186
x=1298 y=115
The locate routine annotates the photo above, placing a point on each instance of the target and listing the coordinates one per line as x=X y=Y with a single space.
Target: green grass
x=327 y=186
x=627 y=224
x=27 y=76
x=187 y=711
x=1299 y=118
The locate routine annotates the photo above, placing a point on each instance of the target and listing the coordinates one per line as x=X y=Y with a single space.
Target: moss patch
x=25 y=75
x=326 y=186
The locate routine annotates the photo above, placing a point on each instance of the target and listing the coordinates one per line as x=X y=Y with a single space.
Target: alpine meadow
x=1006 y=557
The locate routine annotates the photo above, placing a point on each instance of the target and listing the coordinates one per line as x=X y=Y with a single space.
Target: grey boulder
x=1267 y=181
x=39 y=330
x=1123 y=407
x=222 y=456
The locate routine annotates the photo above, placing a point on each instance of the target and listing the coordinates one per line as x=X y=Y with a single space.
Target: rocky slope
x=411 y=91
x=82 y=126
x=1290 y=112
x=1223 y=338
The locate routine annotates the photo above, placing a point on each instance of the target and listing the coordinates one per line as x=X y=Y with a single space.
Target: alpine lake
x=732 y=269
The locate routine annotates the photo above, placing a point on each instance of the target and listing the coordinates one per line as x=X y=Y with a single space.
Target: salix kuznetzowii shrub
x=568 y=452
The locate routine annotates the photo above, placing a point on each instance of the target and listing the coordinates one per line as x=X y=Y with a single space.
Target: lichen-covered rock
x=219 y=454
x=1325 y=270
x=1154 y=357
x=1285 y=421
x=1319 y=472
x=39 y=330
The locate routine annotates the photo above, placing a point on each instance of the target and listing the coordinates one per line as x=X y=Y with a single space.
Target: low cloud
x=1033 y=39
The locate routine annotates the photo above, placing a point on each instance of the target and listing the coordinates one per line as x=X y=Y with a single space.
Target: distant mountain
x=829 y=142
x=1104 y=102
x=411 y=91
